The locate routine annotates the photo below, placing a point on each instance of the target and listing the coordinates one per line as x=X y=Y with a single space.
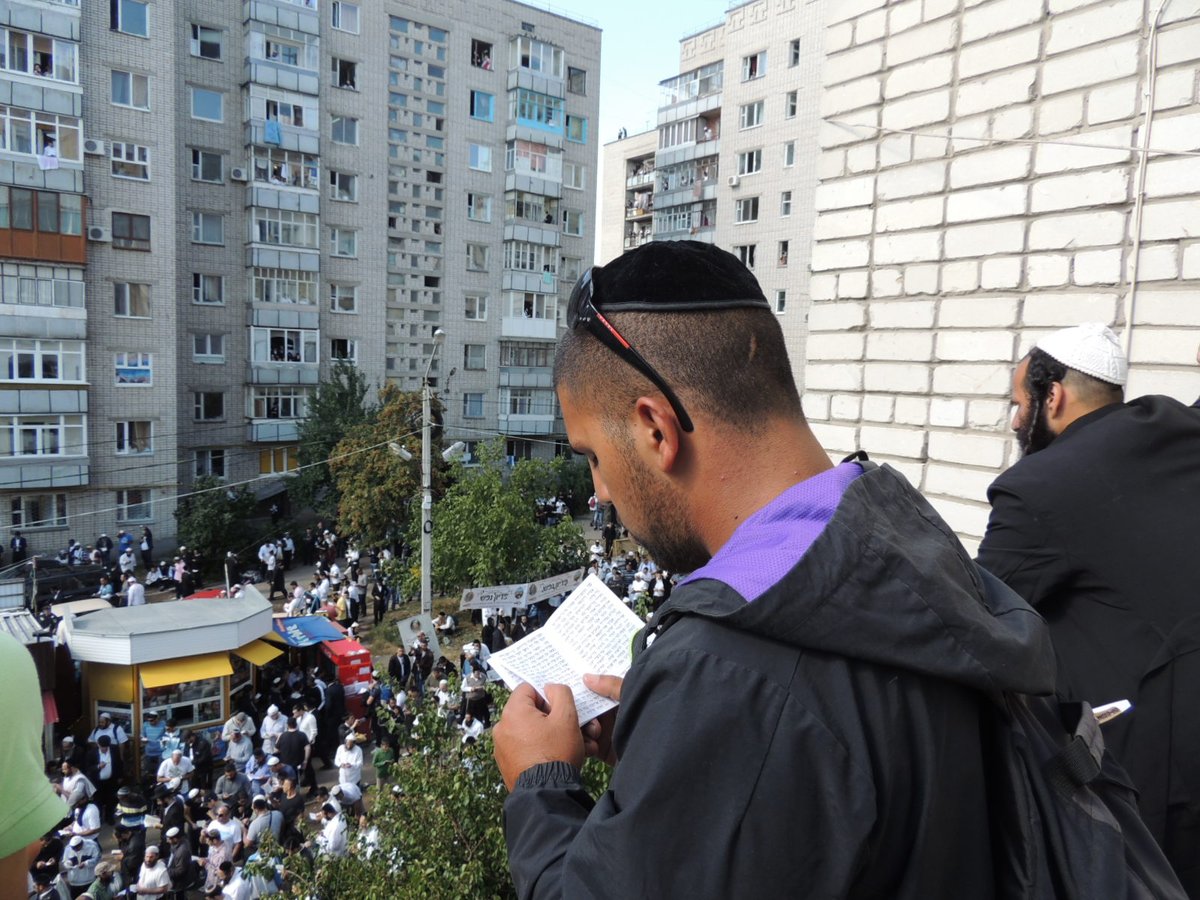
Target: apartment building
x=733 y=159
x=204 y=208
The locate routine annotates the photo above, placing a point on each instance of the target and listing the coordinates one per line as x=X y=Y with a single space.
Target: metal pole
x=426 y=499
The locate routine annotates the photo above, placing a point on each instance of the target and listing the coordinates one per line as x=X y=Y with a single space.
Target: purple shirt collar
x=769 y=543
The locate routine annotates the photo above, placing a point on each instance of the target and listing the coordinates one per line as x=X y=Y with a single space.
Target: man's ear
x=657 y=434
x=1056 y=400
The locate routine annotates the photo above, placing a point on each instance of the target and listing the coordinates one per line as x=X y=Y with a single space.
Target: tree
x=212 y=519
x=337 y=406
x=376 y=489
x=485 y=527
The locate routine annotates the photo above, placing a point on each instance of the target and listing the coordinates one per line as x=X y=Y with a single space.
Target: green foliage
x=378 y=491
x=338 y=405
x=486 y=530
x=214 y=517
x=574 y=480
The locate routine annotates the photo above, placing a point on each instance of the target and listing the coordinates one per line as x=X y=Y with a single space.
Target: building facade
x=733 y=160
x=206 y=208
x=991 y=171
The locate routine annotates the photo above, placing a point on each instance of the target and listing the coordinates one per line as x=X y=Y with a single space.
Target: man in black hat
x=104 y=768
x=802 y=718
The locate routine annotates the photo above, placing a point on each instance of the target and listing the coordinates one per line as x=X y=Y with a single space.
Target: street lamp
x=439 y=336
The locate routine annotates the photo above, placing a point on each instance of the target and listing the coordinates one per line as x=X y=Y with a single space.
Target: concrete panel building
x=991 y=171
x=206 y=207
x=735 y=153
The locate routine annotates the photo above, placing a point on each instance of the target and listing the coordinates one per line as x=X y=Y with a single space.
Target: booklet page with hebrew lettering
x=591 y=632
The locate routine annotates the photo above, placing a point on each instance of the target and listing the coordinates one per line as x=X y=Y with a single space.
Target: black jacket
x=1100 y=531
x=91 y=765
x=821 y=741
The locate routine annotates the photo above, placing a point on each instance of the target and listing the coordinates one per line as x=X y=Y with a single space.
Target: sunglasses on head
x=582 y=311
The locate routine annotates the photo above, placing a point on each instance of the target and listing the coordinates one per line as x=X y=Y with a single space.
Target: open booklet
x=591 y=632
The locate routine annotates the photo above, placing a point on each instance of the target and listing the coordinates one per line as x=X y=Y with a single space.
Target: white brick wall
x=975 y=193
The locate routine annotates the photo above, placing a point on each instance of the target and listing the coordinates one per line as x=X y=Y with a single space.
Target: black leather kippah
x=676 y=276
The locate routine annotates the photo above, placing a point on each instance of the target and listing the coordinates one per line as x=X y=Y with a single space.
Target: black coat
x=1099 y=531
x=91 y=765
x=335 y=701
x=821 y=741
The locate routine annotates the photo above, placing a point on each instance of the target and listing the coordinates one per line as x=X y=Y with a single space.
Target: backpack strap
x=1081 y=758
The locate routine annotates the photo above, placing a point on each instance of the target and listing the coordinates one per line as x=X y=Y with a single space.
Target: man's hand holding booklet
x=590 y=633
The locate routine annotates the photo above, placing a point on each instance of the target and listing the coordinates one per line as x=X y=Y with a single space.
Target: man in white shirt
x=176 y=766
x=135 y=592
x=239 y=722
x=471 y=727
x=239 y=750
x=104 y=725
x=332 y=839
x=153 y=878
x=78 y=863
x=272 y=728
x=229 y=828
x=85 y=820
x=127 y=562
x=75 y=784
x=349 y=760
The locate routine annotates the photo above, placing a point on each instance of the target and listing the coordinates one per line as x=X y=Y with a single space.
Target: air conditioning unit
x=239 y=174
x=100 y=235
x=95 y=148
x=733 y=181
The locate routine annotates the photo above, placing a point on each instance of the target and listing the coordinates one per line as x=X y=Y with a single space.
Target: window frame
x=474 y=109
x=141 y=158
x=20 y=507
x=133 y=361
x=206 y=461
x=335 y=235
x=576 y=85
x=128 y=298
x=131 y=88
x=475 y=357
x=754 y=66
x=128 y=510
x=751 y=115
x=200 y=404
x=127 y=438
x=336 y=290
x=479 y=157
x=199 y=282
x=472 y=407
x=750 y=162
x=194 y=91
x=117 y=17
x=208 y=355
x=132 y=241
x=196 y=42
x=201 y=221
x=343 y=186
x=350 y=354
x=480 y=311
x=785 y=204
x=346 y=121
x=336 y=8
x=746 y=210
x=198 y=164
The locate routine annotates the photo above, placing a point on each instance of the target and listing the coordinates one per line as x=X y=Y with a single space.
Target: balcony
x=634 y=239
x=527 y=327
x=273 y=431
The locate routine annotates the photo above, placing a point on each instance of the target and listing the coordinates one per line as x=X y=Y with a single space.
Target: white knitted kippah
x=1090 y=348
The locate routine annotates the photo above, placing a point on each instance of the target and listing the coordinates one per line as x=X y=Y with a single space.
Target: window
x=479 y=207
x=482 y=106
x=750 y=162
x=746 y=210
x=283 y=227
x=130 y=231
x=206 y=42
x=794 y=53
x=344 y=130
x=208 y=406
x=285 y=286
x=789 y=154
x=576 y=80
x=574 y=175
x=135 y=438
x=38 y=133
x=475 y=308
x=745 y=252
x=790 y=101
x=751 y=115
x=279 y=402
x=43 y=435
x=780 y=301
x=783 y=253
x=472 y=406
x=208 y=166
x=527 y=355
x=481 y=54
x=526 y=257
x=480 y=157
x=39 y=55
x=281 y=52
x=785 y=204
x=30 y=285
x=210 y=462
x=278 y=461
x=536 y=56
x=569 y=268
x=208 y=228
x=343 y=349
x=527 y=305
x=531 y=158
x=130 y=90
x=572 y=220
x=208 y=105
x=475 y=356
x=344 y=73
x=131 y=300
x=286 y=167
x=478 y=256
x=39 y=511
x=344 y=16
x=577 y=129
x=130 y=161
x=135 y=505
x=208 y=289
x=754 y=65
x=343 y=242
x=208 y=348
x=343 y=298
x=343 y=186
x=24 y=359
x=43 y=211
x=283 y=345
x=134 y=369
x=130 y=17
